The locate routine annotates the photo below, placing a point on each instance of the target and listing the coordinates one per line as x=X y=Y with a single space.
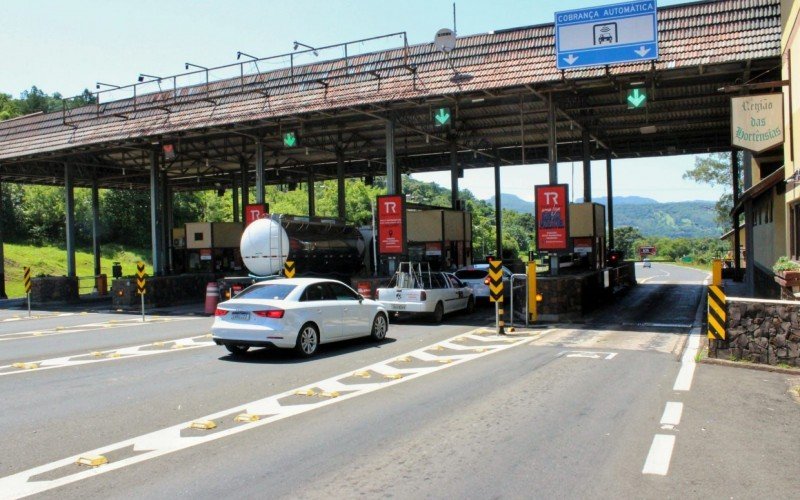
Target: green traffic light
x=289 y=139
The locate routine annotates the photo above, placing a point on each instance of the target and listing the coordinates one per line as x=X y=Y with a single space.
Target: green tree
x=715 y=170
x=625 y=238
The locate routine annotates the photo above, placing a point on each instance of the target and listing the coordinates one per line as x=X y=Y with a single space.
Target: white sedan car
x=297 y=313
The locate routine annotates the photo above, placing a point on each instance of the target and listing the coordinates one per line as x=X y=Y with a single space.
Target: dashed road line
x=672 y=415
x=684 y=380
x=660 y=455
x=384 y=374
x=24 y=317
x=87 y=327
x=110 y=355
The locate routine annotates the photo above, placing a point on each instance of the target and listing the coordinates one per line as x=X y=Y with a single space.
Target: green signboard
x=637 y=98
x=442 y=117
x=289 y=139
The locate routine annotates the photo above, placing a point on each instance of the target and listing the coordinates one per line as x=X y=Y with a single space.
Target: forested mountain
x=686 y=219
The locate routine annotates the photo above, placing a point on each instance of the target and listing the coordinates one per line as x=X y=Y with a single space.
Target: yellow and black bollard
x=496 y=292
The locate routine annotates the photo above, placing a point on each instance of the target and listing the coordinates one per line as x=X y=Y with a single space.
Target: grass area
x=52 y=261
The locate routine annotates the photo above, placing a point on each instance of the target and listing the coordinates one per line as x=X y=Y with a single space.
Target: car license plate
x=399 y=307
x=240 y=315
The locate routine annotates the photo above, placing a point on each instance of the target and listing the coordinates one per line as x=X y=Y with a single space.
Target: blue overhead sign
x=609 y=34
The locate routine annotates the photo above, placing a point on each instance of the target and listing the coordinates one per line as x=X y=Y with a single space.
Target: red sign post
x=253 y=212
x=392 y=224
x=552 y=224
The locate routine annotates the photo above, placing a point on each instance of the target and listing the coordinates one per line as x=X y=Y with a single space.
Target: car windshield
x=271 y=291
x=471 y=274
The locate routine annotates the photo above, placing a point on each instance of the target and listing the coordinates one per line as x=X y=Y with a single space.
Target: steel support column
x=245 y=187
x=392 y=186
x=165 y=220
x=312 y=207
x=737 y=261
x=498 y=236
x=2 y=258
x=453 y=175
x=340 y=186
x=235 y=198
x=154 y=213
x=552 y=145
x=96 y=226
x=69 y=209
x=609 y=200
x=259 y=172
x=750 y=264
x=587 y=168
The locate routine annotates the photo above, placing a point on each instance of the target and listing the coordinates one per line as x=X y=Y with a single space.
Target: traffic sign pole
x=496 y=292
x=26 y=281
x=140 y=283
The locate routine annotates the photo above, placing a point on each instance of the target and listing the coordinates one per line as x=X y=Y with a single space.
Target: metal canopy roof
x=495 y=85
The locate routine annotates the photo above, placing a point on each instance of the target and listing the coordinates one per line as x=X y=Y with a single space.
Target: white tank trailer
x=317 y=247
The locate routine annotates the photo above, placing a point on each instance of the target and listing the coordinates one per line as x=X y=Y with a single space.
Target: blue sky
x=68 y=45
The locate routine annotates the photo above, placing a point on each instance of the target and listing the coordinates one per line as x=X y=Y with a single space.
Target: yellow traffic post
x=26 y=281
x=496 y=292
x=717 y=316
x=716 y=272
x=533 y=313
x=289 y=269
x=140 y=282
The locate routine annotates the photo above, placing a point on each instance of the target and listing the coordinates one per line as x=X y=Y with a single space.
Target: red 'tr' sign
x=391 y=224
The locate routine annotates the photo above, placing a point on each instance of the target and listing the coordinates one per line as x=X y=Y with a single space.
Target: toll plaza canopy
x=494 y=87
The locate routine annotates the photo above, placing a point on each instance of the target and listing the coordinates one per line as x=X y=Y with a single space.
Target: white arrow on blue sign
x=609 y=34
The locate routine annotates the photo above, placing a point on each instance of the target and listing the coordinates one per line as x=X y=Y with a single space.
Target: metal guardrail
x=524 y=288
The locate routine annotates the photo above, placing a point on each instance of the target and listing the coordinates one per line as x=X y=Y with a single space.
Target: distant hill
x=685 y=219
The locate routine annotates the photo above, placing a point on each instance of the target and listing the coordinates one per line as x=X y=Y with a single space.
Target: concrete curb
x=751 y=366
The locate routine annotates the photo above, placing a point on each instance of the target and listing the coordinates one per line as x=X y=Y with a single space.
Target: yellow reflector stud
x=394 y=376
x=246 y=417
x=203 y=424
x=305 y=392
x=329 y=394
x=404 y=359
x=92 y=460
x=362 y=374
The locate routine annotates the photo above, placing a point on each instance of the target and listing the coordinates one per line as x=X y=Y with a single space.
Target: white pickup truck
x=431 y=293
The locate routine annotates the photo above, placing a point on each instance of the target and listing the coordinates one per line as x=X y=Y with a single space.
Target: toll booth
x=441 y=237
x=210 y=247
x=587 y=230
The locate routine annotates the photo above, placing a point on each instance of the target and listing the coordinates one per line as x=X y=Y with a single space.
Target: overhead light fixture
x=142 y=76
x=637 y=84
x=240 y=54
x=97 y=85
x=648 y=129
x=479 y=99
x=793 y=179
x=309 y=47
x=194 y=66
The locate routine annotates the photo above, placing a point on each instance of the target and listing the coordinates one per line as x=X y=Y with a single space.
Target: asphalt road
x=605 y=408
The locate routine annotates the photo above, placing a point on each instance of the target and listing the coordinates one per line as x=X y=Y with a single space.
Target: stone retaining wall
x=761 y=331
x=160 y=290
x=49 y=289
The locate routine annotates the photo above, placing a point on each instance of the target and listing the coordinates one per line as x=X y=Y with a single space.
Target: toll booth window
x=198 y=236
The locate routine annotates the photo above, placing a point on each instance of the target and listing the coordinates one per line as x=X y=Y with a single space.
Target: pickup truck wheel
x=307 y=341
x=470 y=305
x=237 y=350
x=379 y=327
x=438 y=313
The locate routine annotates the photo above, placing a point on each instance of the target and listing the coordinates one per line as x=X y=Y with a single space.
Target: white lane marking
x=110 y=355
x=660 y=455
x=588 y=354
x=684 y=380
x=36 y=316
x=89 y=327
x=672 y=415
x=162 y=442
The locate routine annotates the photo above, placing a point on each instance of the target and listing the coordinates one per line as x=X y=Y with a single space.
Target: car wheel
x=470 y=305
x=237 y=350
x=379 y=327
x=438 y=313
x=307 y=340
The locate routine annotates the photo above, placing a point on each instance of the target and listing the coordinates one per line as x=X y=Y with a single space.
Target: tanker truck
x=318 y=247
